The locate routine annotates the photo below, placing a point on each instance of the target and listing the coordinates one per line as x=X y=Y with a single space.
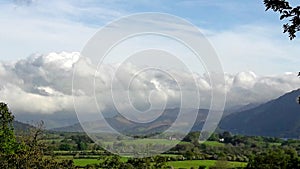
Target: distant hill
x=72 y=128
x=20 y=127
x=279 y=117
x=123 y=125
x=239 y=108
x=66 y=119
x=55 y=120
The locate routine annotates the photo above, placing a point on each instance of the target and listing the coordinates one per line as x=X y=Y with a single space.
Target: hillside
x=20 y=127
x=279 y=117
x=123 y=125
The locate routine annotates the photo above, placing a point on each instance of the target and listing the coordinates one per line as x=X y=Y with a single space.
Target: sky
x=245 y=37
x=41 y=40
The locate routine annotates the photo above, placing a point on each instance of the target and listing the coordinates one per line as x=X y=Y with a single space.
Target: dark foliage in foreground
x=25 y=151
x=286 y=11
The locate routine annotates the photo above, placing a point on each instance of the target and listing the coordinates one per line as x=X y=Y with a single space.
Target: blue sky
x=243 y=34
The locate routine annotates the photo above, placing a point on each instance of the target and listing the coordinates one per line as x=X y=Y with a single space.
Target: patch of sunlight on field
x=196 y=163
x=214 y=143
x=84 y=162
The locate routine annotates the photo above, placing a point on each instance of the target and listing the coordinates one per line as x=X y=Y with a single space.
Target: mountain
x=72 y=128
x=124 y=125
x=279 y=117
x=55 y=120
x=239 y=108
x=20 y=127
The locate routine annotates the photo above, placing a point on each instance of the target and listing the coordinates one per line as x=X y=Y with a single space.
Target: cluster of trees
x=76 y=142
x=278 y=158
x=259 y=152
x=232 y=147
x=23 y=151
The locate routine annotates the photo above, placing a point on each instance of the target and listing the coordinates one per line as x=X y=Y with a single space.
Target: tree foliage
x=275 y=159
x=7 y=137
x=27 y=152
x=286 y=11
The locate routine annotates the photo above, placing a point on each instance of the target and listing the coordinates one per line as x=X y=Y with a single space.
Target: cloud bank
x=42 y=84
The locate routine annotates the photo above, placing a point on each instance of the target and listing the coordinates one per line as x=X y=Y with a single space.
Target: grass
x=196 y=163
x=176 y=164
x=84 y=162
x=214 y=143
x=275 y=144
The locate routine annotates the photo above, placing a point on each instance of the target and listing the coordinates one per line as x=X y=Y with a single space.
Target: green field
x=214 y=143
x=84 y=162
x=176 y=164
x=196 y=163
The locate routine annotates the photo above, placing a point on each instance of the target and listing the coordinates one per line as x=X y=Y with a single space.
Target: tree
x=226 y=136
x=192 y=137
x=65 y=147
x=7 y=137
x=160 y=162
x=114 y=162
x=202 y=167
x=286 y=11
x=27 y=152
x=275 y=159
x=81 y=141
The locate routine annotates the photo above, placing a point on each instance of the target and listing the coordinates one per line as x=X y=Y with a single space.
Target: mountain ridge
x=122 y=124
x=279 y=117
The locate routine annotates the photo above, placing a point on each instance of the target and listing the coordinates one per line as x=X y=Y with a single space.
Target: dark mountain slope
x=20 y=127
x=279 y=117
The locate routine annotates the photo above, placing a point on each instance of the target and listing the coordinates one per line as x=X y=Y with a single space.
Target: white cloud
x=21 y=101
x=255 y=47
x=261 y=88
x=245 y=80
x=42 y=84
